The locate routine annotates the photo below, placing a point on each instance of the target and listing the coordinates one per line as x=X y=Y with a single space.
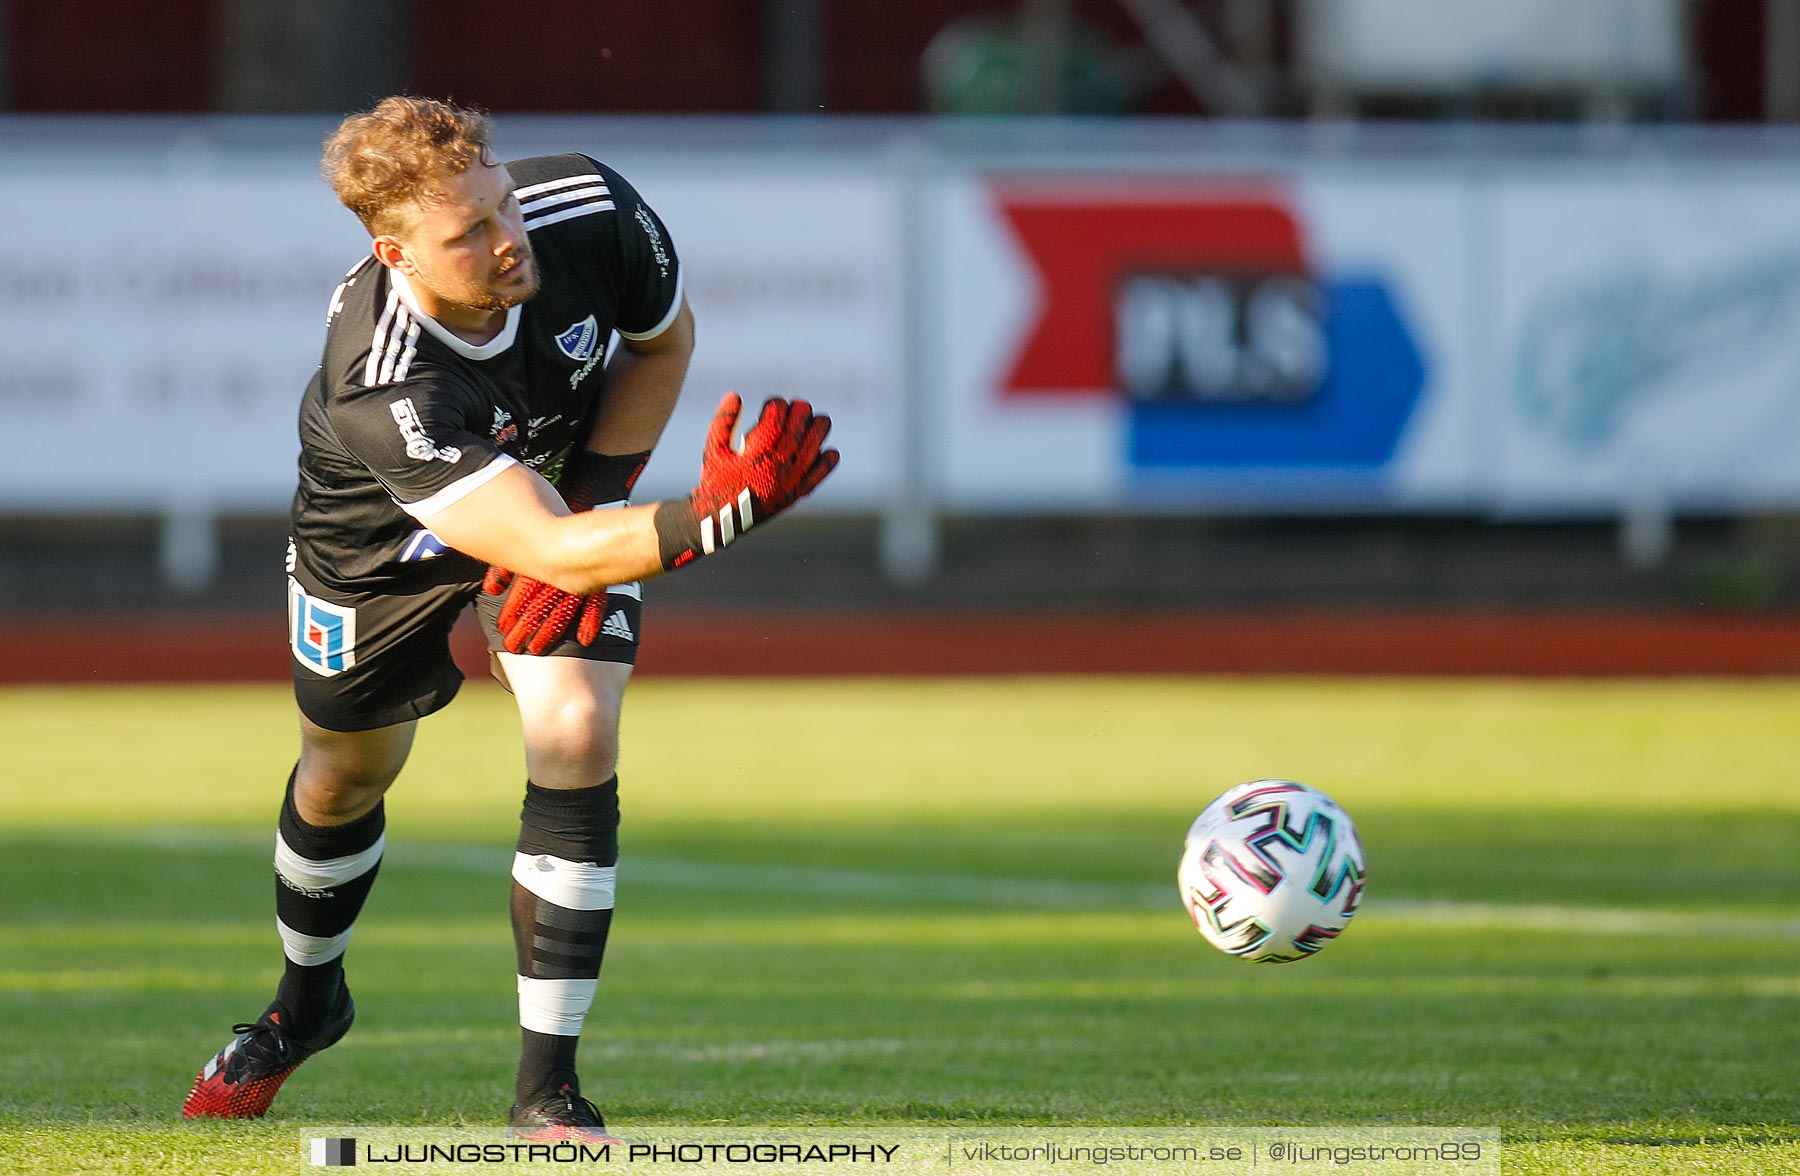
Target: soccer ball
x=1272 y=871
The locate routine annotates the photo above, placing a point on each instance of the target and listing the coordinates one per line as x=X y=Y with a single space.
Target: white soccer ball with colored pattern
x=1272 y=871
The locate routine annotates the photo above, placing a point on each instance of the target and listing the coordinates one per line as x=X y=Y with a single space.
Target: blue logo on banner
x=322 y=634
x=1372 y=383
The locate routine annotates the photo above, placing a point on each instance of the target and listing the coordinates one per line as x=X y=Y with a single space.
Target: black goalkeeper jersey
x=403 y=418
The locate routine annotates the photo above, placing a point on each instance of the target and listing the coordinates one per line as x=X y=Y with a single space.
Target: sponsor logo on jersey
x=656 y=242
x=322 y=634
x=503 y=429
x=579 y=340
x=422 y=546
x=419 y=447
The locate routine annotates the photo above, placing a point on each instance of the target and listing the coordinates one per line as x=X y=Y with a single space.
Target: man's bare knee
x=575 y=747
x=569 y=710
x=343 y=774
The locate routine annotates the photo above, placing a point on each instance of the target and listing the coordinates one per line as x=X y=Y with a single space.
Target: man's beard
x=493 y=300
x=485 y=297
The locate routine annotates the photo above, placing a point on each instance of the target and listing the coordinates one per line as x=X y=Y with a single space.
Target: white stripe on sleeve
x=668 y=318
x=459 y=489
x=567 y=214
x=571 y=196
x=378 y=344
x=530 y=190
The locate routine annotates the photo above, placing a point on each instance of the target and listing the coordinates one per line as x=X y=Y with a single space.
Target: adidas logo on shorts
x=617 y=626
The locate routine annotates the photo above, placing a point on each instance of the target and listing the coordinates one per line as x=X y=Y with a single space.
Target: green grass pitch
x=948 y=903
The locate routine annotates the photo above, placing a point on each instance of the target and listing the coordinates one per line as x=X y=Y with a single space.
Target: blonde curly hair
x=389 y=160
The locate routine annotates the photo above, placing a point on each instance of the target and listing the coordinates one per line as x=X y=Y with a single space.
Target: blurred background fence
x=1146 y=303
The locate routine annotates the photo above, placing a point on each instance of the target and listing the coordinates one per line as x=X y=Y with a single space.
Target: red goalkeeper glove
x=536 y=615
x=782 y=460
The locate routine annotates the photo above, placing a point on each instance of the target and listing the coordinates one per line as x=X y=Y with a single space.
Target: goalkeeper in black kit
x=465 y=441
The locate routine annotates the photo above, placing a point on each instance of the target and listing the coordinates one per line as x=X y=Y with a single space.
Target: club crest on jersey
x=580 y=339
x=322 y=634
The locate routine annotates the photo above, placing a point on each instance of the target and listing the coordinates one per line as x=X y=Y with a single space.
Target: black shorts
x=364 y=660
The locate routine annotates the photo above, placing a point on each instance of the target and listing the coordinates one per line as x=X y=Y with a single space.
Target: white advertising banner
x=156 y=332
x=1554 y=340
x=1649 y=333
x=794 y=282
x=157 y=328
x=1297 y=332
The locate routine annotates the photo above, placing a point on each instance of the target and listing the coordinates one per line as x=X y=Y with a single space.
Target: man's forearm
x=519 y=522
x=596 y=549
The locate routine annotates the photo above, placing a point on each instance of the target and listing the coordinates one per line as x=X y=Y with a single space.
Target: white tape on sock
x=578 y=886
x=555 y=1006
x=308 y=874
x=310 y=950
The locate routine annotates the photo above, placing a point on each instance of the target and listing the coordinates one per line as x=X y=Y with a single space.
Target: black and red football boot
x=562 y=1117
x=242 y=1079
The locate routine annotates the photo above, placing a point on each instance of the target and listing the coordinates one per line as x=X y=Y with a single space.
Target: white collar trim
x=444 y=335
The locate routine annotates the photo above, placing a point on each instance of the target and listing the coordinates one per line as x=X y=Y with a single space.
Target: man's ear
x=391 y=253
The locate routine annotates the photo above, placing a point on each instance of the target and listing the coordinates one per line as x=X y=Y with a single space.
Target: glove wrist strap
x=677 y=532
x=592 y=479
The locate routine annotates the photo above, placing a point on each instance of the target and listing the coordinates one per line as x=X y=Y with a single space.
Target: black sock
x=562 y=905
x=546 y=1065
x=322 y=875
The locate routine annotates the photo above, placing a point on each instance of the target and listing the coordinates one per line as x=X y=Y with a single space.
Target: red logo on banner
x=1083 y=241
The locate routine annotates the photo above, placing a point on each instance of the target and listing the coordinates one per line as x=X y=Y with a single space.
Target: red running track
x=251 y=648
